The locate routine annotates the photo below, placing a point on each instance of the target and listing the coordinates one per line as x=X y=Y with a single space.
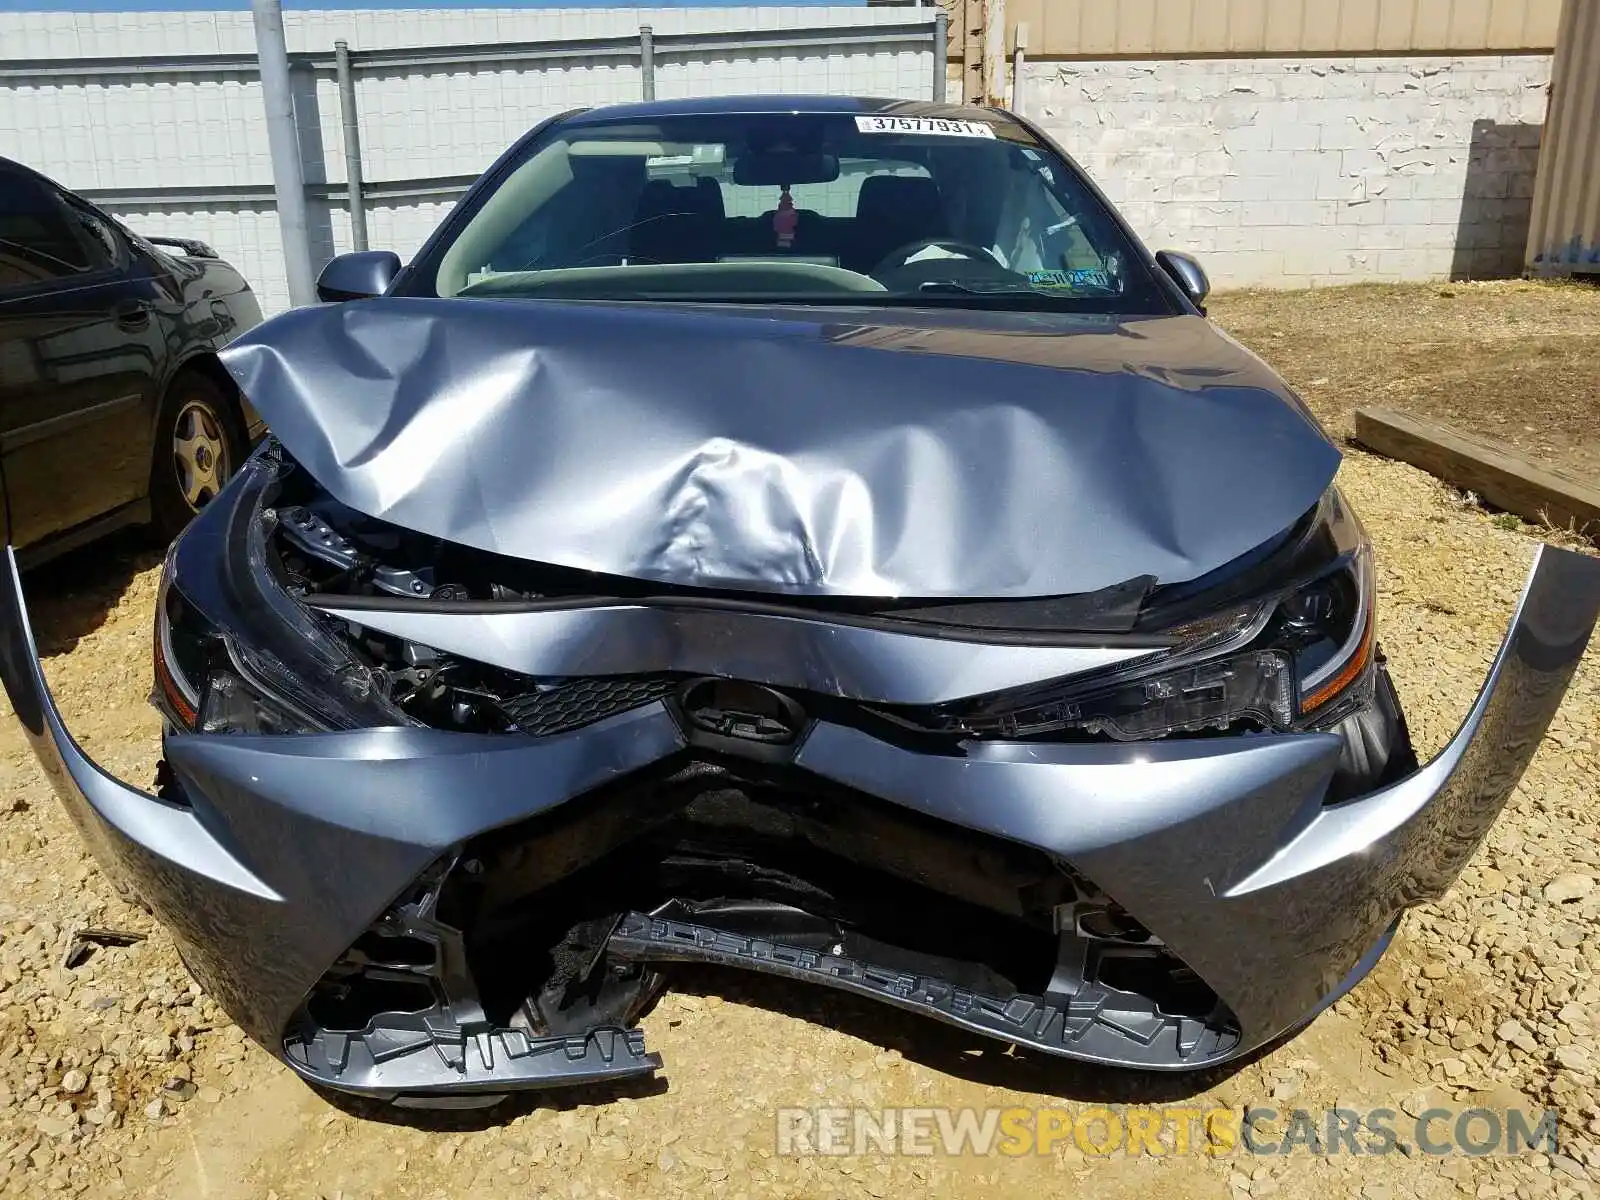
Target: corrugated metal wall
x=183 y=150
x=1179 y=28
x=1564 y=233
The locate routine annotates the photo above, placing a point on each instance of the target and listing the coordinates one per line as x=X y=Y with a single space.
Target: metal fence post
x=288 y=177
x=352 y=145
x=941 y=54
x=647 y=62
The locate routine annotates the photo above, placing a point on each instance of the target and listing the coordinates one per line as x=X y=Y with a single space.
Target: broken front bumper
x=280 y=853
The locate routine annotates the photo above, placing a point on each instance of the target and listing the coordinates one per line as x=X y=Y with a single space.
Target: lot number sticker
x=933 y=125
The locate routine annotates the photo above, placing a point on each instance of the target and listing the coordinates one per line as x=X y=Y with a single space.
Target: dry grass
x=1513 y=361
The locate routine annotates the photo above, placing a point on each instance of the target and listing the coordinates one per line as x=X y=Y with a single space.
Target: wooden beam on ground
x=1504 y=480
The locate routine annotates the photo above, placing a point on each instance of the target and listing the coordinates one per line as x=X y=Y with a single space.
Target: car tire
x=200 y=441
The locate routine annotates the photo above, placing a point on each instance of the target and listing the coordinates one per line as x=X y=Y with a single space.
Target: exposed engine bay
x=324 y=550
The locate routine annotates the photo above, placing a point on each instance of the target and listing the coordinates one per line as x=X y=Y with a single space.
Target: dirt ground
x=117 y=1077
x=1512 y=361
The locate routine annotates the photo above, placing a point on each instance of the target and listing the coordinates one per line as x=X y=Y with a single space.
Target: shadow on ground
x=69 y=597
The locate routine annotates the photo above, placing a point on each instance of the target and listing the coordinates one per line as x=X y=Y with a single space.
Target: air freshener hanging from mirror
x=785 y=220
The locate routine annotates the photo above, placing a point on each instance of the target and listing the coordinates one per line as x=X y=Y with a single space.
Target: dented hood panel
x=817 y=451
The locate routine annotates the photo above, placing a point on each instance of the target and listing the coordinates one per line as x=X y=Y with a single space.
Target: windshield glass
x=806 y=207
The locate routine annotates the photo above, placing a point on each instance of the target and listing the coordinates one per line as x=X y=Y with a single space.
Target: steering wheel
x=896 y=258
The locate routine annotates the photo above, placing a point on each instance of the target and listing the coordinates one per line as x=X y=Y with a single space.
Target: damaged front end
x=432 y=821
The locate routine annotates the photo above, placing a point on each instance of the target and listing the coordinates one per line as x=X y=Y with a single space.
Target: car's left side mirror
x=358 y=276
x=1188 y=274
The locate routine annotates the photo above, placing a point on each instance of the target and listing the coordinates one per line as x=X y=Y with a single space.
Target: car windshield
x=793 y=207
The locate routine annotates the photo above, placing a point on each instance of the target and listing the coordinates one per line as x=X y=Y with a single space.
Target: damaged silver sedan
x=809 y=536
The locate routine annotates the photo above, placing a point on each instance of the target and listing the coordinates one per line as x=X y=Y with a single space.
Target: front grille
x=574 y=703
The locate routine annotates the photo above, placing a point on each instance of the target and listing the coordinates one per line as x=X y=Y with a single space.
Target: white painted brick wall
x=1296 y=172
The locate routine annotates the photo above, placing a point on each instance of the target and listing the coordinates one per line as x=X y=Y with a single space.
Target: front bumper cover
x=284 y=850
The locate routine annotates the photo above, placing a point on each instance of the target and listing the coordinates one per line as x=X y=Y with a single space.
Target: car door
x=80 y=361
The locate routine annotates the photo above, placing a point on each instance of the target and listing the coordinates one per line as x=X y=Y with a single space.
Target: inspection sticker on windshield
x=935 y=125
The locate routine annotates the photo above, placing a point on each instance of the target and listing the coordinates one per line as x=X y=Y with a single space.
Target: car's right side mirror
x=358 y=276
x=1188 y=274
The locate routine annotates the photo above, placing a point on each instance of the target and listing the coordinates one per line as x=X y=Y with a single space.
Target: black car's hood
x=804 y=451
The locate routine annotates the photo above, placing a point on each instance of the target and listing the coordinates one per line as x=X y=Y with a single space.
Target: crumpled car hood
x=799 y=451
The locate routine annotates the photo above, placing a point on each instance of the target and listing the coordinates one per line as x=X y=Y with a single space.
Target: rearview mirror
x=1187 y=272
x=778 y=167
x=358 y=276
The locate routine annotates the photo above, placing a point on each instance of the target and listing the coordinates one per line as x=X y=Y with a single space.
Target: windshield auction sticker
x=935 y=125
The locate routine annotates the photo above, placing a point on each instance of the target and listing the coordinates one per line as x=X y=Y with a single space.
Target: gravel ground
x=117 y=1077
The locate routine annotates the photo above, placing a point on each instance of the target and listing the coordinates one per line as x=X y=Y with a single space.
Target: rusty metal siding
x=1179 y=28
x=1564 y=232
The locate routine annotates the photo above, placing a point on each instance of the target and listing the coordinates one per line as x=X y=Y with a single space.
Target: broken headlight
x=201 y=684
x=233 y=652
x=1299 y=658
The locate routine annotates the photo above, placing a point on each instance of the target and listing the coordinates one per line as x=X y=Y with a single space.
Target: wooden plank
x=1507 y=481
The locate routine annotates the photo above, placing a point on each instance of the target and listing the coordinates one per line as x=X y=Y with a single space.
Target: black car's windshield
x=806 y=207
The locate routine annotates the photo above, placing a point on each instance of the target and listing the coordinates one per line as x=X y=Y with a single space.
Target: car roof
x=14 y=165
x=779 y=105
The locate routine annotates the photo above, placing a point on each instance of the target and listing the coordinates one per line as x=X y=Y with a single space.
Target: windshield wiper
x=948 y=286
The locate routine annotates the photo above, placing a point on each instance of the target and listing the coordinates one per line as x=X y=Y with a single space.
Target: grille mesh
x=578 y=702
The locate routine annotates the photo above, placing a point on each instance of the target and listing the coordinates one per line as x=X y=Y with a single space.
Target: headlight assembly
x=179 y=654
x=201 y=685
x=1341 y=603
x=1300 y=658
x=234 y=653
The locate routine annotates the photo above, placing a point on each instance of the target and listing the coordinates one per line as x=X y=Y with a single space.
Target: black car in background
x=113 y=407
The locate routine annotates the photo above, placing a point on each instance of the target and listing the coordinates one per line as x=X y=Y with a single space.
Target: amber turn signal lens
x=1347 y=675
x=179 y=703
